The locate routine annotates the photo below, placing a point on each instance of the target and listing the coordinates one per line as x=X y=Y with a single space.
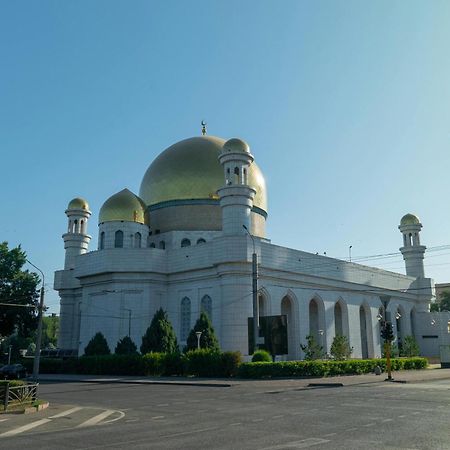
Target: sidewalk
x=404 y=376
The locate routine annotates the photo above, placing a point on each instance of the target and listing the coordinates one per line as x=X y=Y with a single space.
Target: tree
x=50 y=331
x=442 y=303
x=97 y=346
x=160 y=335
x=126 y=346
x=410 y=347
x=19 y=298
x=208 y=338
x=312 y=349
x=340 y=348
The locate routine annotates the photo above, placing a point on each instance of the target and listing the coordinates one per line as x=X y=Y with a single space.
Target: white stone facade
x=117 y=289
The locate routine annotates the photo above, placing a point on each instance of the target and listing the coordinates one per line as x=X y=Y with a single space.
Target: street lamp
x=254 y=292
x=350 y=252
x=198 y=334
x=37 y=353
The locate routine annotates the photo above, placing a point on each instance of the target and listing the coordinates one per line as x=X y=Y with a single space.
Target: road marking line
x=2 y=420
x=386 y=420
x=25 y=428
x=66 y=413
x=299 y=444
x=257 y=420
x=158 y=417
x=329 y=434
x=415 y=413
x=402 y=416
x=96 y=419
x=369 y=424
x=278 y=417
x=235 y=424
x=163 y=404
x=121 y=416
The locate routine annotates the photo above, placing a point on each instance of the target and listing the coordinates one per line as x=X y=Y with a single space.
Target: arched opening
x=317 y=322
x=185 y=243
x=236 y=175
x=82 y=226
x=338 y=326
x=137 y=240
x=185 y=318
x=287 y=309
x=364 y=332
x=262 y=306
x=162 y=245
x=412 y=317
x=75 y=226
x=400 y=325
x=410 y=239
x=102 y=240
x=118 y=239
x=206 y=306
x=152 y=245
x=200 y=241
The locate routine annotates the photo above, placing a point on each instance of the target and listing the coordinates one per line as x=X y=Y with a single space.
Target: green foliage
x=340 y=348
x=325 y=368
x=97 y=346
x=125 y=346
x=261 y=355
x=208 y=339
x=410 y=347
x=312 y=349
x=50 y=331
x=160 y=336
x=442 y=303
x=204 y=362
x=394 y=350
x=230 y=363
x=17 y=286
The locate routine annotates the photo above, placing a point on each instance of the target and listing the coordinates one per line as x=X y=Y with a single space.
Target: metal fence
x=17 y=396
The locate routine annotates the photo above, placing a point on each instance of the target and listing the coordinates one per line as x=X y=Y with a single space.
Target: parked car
x=13 y=371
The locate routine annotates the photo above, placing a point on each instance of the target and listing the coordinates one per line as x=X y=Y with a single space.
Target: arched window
x=75 y=226
x=236 y=175
x=162 y=245
x=185 y=318
x=152 y=245
x=137 y=240
x=200 y=241
x=102 y=240
x=185 y=243
x=118 y=239
x=206 y=306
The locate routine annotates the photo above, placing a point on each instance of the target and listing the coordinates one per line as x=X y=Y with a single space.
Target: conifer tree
x=208 y=338
x=97 y=346
x=126 y=346
x=160 y=335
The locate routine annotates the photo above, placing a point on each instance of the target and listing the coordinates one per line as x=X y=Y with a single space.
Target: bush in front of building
x=126 y=346
x=97 y=346
x=409 y=347
x=261 y=356
x=340 y=348
x=160 y=336
x=208 y=338
x=324 y=368
x=312 y=349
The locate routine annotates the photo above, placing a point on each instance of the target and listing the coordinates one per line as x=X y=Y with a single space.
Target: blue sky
x=345 y=105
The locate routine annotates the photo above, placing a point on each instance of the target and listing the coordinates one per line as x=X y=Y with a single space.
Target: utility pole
x=255 y=293
x=37 y=353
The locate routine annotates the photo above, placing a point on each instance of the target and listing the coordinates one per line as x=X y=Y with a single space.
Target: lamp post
x=198 y=334
x=387 y=334
x=255 y=293
x=350 y=253
x=37 y=353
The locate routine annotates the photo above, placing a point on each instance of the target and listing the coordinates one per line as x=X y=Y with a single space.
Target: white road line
x=120 y=416
x=163 y=404
x=25 y=428
x=278 y=417
x=416 y=412
x=3 y=420
x=329 y=434
x=158 y=417
x=257 y=420
x=235 y=424
x=369 y=424
x=402 y=416
x=66 y=413
x=96 y=419
x=299 y=444
x=386 y=420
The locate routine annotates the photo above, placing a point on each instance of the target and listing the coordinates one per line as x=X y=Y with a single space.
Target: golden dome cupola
x=124 y=207
x=78 y=203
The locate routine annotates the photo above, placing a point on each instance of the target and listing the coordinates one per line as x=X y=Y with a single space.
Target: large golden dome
x=123 y=206
x=190 y=170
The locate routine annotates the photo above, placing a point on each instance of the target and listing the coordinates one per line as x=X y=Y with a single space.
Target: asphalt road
x=265 y=416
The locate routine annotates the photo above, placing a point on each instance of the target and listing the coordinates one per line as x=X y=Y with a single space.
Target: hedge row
x=319 y=368
x=203 y=363
x=207 y=363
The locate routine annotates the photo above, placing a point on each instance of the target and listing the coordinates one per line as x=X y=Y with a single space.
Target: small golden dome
x=124 y=206
x=410 y=219
x=236 y=145
x=78 y=203
x=190 y=170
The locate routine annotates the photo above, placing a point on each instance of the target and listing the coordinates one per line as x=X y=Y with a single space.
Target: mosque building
x=186 y=243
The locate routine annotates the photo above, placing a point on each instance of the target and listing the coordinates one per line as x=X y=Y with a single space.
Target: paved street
x=273 y=415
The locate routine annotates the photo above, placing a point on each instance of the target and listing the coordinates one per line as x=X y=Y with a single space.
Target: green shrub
x=202 y=363
x=208 y=339
x=321 y=368
x=261 y=356
x=154 y=363
x=160 y=336
x=409 y=347
x=340 y=348
x=312 y=349
x=230 y=362
x=126 y=346
x=97 y=346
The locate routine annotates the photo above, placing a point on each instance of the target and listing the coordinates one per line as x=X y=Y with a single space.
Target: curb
x=29 y=409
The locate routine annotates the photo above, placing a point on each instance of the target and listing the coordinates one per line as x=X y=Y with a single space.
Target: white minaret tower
x=76 y=240
x=236 y=197
x=412 y=251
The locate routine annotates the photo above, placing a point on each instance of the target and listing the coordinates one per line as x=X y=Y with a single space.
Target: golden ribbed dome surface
x=78 y=203
x=190 y=169
x=409 y=219
x=124 y=206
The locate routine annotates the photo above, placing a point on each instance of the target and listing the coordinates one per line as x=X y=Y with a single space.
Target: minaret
x=236 y=197
x=76 y=240
x=412 y=251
